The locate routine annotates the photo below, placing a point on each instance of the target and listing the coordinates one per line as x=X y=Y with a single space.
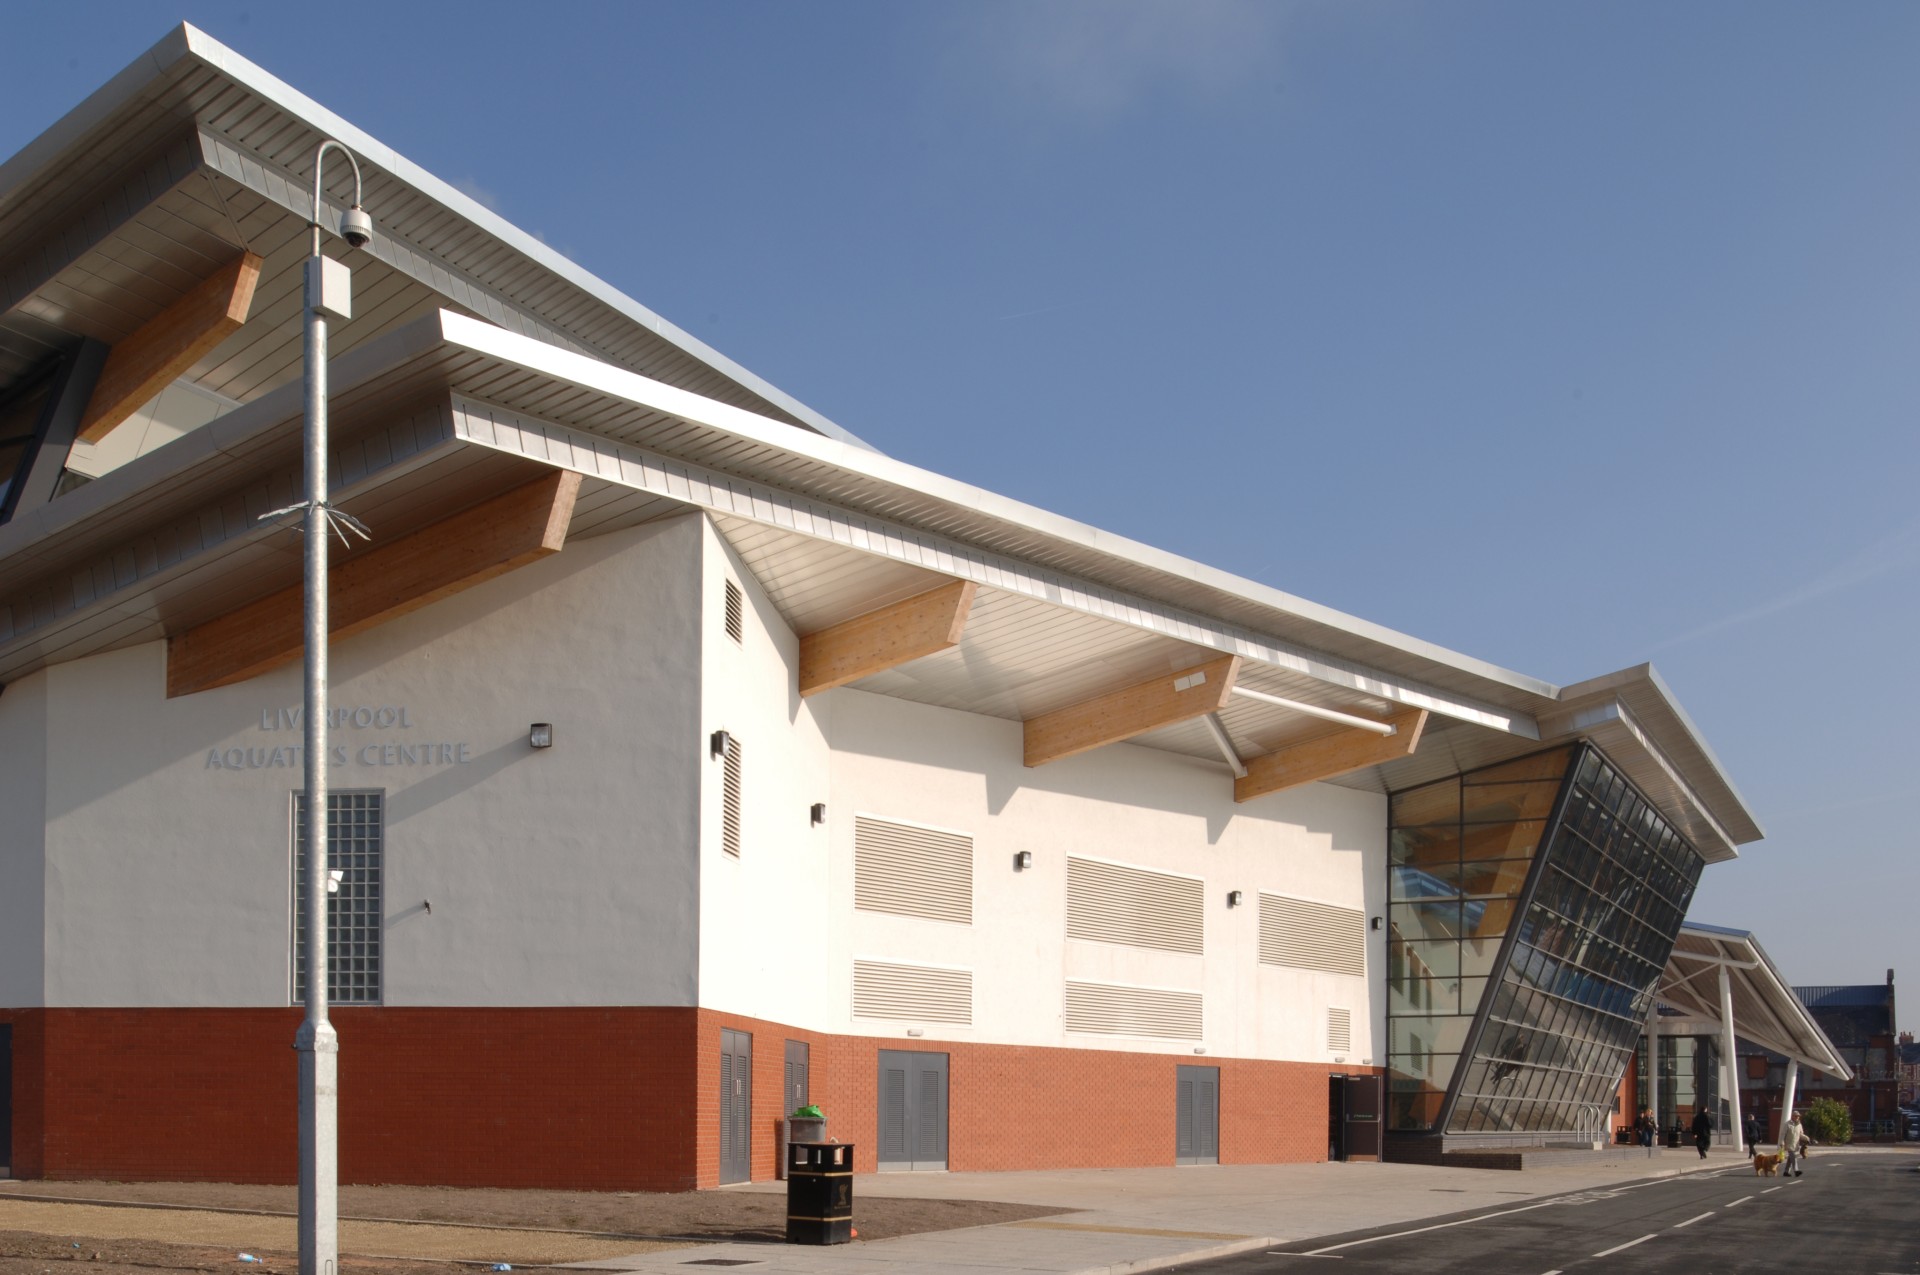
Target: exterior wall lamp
x=717 y=744
x=1233 y=898
x=540 y=735
x=817 y=815
x=1023 y=860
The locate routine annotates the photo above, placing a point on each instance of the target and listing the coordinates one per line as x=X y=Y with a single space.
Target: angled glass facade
x=1532 y=906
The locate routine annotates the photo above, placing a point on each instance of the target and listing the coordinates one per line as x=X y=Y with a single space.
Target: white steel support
x=1653 y=1071
x=1222 y=741
x=1787 y=1095
x=1730 y=1058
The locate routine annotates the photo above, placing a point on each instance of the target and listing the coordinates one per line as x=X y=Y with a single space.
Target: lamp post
x=327 y=294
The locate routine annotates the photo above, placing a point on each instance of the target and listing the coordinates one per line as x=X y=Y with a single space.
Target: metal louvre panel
x=916 y=993
x=1340 y=1030
x=1312 y=936
x=730 y=800
x=735 y=613
x=912 y=871
x=1113 y=1009
x=1113 y=903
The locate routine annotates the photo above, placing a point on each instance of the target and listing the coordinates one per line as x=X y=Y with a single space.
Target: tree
x=1828 y=1121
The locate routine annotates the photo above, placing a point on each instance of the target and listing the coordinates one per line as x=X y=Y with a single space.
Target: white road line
x=1734 y=1204
x=1375 y=1239
x=1629 y=1244
x=1690 y=1221
x=1770 y=1190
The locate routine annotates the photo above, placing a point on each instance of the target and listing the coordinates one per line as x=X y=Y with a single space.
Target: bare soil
x=203 y=1226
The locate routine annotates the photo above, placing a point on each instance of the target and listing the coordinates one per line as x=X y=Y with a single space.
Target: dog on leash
x=1766 y=1164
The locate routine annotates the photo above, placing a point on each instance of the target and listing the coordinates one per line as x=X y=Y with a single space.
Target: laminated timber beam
x=885 y=637
x=1132 y=710
x=145 y=362
x=381 y=584
x=1327 y=756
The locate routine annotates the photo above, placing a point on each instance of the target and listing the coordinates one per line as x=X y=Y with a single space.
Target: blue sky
x=1568 y=336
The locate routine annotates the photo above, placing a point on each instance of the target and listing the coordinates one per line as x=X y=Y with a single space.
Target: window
x=355 y=846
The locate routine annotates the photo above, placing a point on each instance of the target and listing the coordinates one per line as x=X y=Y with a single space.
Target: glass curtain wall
x=1519 y=979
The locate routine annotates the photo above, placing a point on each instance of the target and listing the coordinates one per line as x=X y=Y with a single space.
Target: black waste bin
x=819 y=1192
x=1674 y=1134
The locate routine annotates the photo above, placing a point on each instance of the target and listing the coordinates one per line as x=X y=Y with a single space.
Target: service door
x=796 y=1077
x=6 y=1099
x=1196 y=1115
x=736 y=1106
x=913 y=1111
x=1361 y=1131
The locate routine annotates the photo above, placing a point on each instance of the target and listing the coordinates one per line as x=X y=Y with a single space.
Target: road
x=1850 y=1214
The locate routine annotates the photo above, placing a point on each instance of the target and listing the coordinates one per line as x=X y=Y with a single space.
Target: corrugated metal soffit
x=1114 y=903
x=909 y=870
x=1312 y=936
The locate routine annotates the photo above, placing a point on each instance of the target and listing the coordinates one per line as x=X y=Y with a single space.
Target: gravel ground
x=204 y=1225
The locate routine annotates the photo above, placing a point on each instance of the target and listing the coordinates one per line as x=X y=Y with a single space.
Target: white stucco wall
x=567 y=876
x=1122 y=803
x=23 y=795
x=764 y=917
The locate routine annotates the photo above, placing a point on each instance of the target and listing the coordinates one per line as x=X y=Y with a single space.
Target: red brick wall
x=578 y=1098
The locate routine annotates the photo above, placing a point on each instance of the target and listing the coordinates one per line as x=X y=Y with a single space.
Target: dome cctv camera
x=356 y=227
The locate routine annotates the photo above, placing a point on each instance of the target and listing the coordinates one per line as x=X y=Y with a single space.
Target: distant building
x=1860 y=1020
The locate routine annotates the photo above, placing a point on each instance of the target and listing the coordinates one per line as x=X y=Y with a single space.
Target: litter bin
x=819 y=1192
x=1674 y=1133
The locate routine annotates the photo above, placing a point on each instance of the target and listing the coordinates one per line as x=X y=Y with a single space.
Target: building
x=1860 y=1021
x=1009 y=842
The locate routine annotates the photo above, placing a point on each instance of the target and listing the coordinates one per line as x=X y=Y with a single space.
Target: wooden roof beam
x=885 y=638
x=380 y=584
x=159 y=350
x=1132 y=710
x=1327 y=756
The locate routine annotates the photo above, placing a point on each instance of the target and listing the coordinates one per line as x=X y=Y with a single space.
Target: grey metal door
x=796 y=1077
x=736 y=1106
x=6 y=1096
x=1360 y=1117
x=1196 y=1115
x=913 y=1110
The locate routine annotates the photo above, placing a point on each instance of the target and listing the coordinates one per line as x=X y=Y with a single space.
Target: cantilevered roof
x=193 y=153
x=1765 y=1009
x=446 y=410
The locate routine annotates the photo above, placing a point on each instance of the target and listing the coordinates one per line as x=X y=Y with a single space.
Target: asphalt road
x=1852 y=1213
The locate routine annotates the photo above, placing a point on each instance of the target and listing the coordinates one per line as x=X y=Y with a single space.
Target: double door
x=913 y=1110
x=1196 y=1115
x=736 y=1105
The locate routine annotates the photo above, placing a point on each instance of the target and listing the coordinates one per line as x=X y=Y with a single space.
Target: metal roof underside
x=444 y=411
x=193 y=153
x=1765 y=1010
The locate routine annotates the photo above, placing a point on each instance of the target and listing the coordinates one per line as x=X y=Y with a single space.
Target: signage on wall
x=407 y=751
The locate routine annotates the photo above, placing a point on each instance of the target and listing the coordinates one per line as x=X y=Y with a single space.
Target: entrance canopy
x=1765 y=1010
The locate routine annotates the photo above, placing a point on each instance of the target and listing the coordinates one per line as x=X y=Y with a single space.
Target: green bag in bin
x=809 y=1112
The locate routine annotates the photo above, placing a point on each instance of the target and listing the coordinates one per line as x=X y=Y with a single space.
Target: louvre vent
x=912 y=871
x=1110 y=1009
x=730 y=800
x=1112 y=903
x=1312 y=936
x=918 y=993
x=736 y=611
x=1340 y=1030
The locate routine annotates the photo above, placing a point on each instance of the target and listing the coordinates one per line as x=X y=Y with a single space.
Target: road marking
x=1375 y=1239
x=1734 y=1204
x=1690 y=1221
x=1770 y=1190
x=1629 y=1244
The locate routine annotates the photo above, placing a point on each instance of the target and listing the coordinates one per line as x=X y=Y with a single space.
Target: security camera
x=356 y=227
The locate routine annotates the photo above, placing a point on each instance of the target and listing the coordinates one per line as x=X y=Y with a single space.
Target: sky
x=1568 y=336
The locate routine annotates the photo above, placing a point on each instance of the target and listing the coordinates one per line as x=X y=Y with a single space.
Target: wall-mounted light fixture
x=1022 y=860
x=717 y=744
x=540 y=735
x=1199 y=1049
x=818 y=813
x=1376 y=923
x=1233 y=898
x=428 y=905
x=916 y=1031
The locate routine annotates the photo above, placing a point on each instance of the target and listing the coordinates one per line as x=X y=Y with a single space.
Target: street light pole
x=327 y=294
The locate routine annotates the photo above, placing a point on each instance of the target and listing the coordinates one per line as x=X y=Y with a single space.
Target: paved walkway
x=1132 y=1220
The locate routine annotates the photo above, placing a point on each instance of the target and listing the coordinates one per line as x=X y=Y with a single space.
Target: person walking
x=1702 y=1131
x=1647 y=1127
x=1751 y=1132
x=1793 y=1147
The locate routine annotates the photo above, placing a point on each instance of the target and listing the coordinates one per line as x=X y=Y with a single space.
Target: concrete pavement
x=1133 y=1220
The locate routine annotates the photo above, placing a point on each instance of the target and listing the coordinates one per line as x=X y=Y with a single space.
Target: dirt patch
x=45 y=1255
x=204 y=1224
